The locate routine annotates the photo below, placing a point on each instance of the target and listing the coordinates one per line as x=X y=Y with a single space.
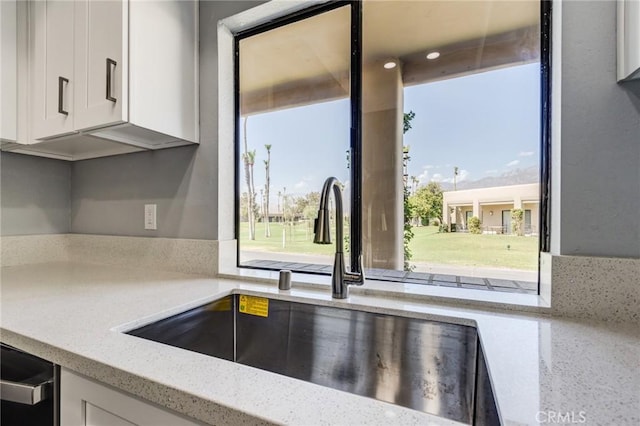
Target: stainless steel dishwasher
x=28 y=388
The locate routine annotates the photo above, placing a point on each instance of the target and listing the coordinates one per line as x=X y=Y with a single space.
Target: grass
x=456 y=248
x=298 y=239
x=427 y=245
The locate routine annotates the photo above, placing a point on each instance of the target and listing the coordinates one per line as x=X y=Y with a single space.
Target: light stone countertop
x=542 y=368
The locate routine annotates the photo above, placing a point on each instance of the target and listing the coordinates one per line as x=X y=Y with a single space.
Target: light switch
x=150 y=216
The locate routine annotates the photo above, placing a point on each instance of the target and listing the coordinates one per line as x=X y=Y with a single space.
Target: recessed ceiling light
x=433 y=55
x=389 y=65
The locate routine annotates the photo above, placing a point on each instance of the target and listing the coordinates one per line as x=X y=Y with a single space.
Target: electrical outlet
x=150 y=216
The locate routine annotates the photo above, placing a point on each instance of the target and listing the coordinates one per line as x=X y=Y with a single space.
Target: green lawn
x=298 y=239
x=429 y=246
x=456 y=248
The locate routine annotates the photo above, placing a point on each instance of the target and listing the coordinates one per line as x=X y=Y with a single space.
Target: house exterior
x=493 y=207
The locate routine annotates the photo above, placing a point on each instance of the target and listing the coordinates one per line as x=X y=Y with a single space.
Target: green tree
x=307 y=205
x=427 y=202
x=406 y=121
x=408 y=208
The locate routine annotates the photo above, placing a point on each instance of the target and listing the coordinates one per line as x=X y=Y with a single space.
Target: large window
x=429 y=114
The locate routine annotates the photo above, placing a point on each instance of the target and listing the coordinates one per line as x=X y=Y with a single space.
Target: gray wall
x=35 y=195
x=600 y=150
x=108 y=194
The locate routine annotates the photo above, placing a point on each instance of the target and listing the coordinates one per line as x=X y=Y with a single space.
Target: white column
x=382 y=197
x=476 y=209
x=517 y=203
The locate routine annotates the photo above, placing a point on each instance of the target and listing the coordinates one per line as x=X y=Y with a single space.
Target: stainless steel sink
x=435 y=367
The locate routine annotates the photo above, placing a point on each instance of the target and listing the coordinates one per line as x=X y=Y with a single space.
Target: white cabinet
x=85 y=402
x=8 y=70
x=628 y=39
x=51 y=68
x=99 y=94
x=110 y=76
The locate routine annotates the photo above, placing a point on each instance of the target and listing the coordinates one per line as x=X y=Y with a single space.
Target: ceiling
x=318 y=48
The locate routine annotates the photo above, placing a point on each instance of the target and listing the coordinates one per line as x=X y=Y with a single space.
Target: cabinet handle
x=110 y=62
x=27 y=393
x=61 y=81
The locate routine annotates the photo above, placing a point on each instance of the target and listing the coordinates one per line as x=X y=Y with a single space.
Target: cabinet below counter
x=85 y=402
x=538 y=366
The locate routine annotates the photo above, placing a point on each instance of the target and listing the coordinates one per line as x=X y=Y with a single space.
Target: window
x=427 y=112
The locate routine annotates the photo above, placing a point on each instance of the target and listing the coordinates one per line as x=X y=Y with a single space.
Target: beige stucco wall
x=482 y=201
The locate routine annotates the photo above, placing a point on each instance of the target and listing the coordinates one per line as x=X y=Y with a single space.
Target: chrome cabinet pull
x=61 y=82
x=110 y=62
x=26 y=393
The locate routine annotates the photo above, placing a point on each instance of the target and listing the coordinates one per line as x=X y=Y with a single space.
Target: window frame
x=355 y=241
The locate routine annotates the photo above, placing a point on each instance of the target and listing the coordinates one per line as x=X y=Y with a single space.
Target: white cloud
x=491 y=172
x=423 y=177
x=300 y=185
x=513 y=163
x=526 y=154
x=462 y=176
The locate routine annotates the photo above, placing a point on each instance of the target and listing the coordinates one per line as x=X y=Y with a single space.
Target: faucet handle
x=355 y=278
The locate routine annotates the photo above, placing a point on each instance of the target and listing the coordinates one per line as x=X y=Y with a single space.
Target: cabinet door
x=85 y=402
x=100 y=93
x=628 y=40
x=51 y=67
x=8 y=64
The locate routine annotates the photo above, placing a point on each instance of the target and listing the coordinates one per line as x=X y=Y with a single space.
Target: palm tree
x=455 y=175
x=279 y=198
x=262 y=204
x=267 y=186
x=249 y=158
x=415 y=182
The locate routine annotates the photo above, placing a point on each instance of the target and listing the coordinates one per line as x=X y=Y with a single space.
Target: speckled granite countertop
x=542 y=369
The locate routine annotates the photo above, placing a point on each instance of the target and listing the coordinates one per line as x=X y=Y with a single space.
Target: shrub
x=474 y=225
x=517 y=221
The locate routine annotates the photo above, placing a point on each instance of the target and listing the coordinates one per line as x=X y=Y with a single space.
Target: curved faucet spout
x=340 y=278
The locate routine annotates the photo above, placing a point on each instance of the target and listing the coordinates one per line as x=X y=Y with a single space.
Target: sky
x=486 y=124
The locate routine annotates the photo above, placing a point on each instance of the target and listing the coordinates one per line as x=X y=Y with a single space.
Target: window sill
x=415 y=293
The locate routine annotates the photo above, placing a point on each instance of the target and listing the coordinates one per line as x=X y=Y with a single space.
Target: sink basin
x=431 y=366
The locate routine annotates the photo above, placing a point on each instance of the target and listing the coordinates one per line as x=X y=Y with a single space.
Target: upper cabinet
x=51 y=68
x=8 y=64
x=628 y=39
x=100 y=97
x=110 y=76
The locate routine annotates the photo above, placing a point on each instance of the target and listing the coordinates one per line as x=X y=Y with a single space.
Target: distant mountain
x=512 y=177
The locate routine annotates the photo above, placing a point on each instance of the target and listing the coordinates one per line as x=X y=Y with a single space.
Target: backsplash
x=593 y=288
x=29 y=249
x=596 y=288
x=165 y=254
